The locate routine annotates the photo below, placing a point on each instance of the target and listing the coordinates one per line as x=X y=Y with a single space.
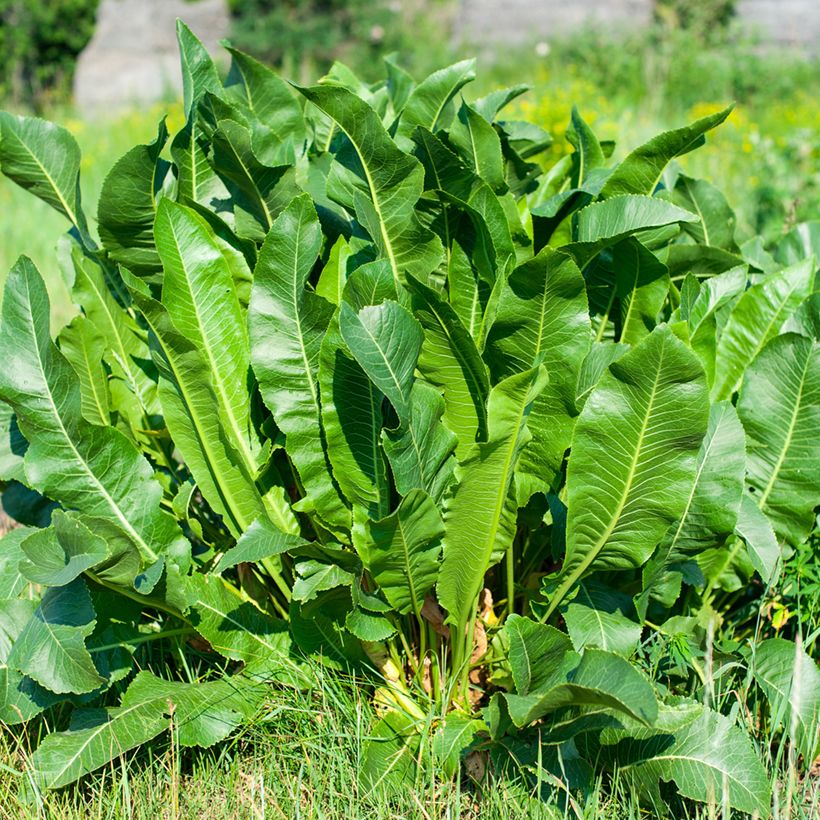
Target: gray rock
x=133 y=59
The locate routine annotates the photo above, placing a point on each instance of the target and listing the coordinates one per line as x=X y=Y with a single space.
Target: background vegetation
x=626 y=84
x=40 y=41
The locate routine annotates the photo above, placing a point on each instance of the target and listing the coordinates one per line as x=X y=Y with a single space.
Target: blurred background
x=108 y=71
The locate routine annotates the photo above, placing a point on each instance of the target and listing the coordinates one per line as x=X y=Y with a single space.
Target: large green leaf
x=200 y=714
x=791 y=681
x=57 y=555
x=319 y=629
x=45 y=159
x=539 y=654
x=450 y=361
x=287 y=323
x=197 y=182
x=385 y=340
x=717 y=219
x=779 y=406
x=484 y=237
x=600 y=616
x=641 y=285
x=713 y=299
x=82 y=538
x=278 y=123
x=128 y=204
x=452 y=738
x=352 y=404
x=421 y=452
x=633 y=458
x=314 y=577
x=261 y=540
x=201 y=301
x=590 y=156
x=236 y=628
x=51 y=647
x=188 y=400
x=21 y=698
x=712 y=504
x=755 y=319
x=93 y=469
x=599 y=679
x=331 y=283
x=641 y=171
x=259 y=191
x=429 y=99
x=402 y=551
x=389 y=183
x=543 y=317
x=480 y=515
x=133 y=392
x=84 y=347
x=604 y=222
x=390 y=753
x=708 y=757
x=199 y=73
x=479 y=145
x=756 y=530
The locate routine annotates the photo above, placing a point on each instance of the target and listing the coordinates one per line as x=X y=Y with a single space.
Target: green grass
x=300 y=756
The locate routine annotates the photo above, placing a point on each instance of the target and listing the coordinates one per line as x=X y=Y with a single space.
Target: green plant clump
x=356 y=379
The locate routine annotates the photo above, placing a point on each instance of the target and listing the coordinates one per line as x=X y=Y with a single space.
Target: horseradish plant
x=353 y=377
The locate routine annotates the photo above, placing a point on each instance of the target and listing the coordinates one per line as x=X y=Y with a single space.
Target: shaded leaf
x=402 y=552
x=779 y=406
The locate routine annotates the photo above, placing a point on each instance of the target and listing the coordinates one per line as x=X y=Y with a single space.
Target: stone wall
x=519 y=22
x=133 y=55
x=787 y=22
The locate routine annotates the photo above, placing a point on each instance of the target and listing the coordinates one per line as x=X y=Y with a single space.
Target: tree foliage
x=40 y=41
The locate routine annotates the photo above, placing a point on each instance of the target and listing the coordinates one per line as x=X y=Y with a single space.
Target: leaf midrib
x=86 y=468
x=69 y=211
x=764 y=337
x=789 y=435
x=374 y=197
x=211 y=459
x=227 y=406
x=498 y=509
x=576 y=574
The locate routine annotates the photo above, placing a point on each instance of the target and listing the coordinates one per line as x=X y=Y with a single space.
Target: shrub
x=354 y=380
x=305 y=36
x=708 y=20
x=40 y=41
